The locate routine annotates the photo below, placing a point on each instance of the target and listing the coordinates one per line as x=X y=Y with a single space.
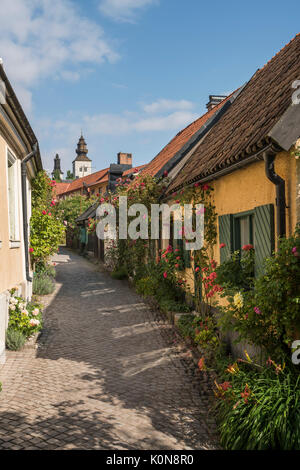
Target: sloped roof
x=75 y=185
x=91 y=180
x=248 y=121
x=179 y=141
x=82 y=158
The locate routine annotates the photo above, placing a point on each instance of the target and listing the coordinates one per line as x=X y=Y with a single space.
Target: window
x=13 y=197
x=80 y=169
x=243 y=230
x=254 y=227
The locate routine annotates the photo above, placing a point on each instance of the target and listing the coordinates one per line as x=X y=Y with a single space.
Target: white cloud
x=167 y=105
x=63 y=134
x=124 y=10
x=40 y=39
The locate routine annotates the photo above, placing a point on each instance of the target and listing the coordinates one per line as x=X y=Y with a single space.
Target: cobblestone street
x=106 y=374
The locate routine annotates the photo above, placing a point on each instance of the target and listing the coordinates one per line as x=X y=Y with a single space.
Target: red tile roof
x=179 y=140
x=246 y=124
x=91 y=180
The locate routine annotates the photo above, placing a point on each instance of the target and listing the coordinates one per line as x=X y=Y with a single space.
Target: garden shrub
x=46 y=269
x=170 y=305
x=120 y=273
x=15 y=339
x=268 y=315
x=42 y=284
x=186 y=327
x=25 y=318
x=147 y=286
x=259 y=407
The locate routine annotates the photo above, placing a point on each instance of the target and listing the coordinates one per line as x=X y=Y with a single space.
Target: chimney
x=214 y=100
x=124 y=158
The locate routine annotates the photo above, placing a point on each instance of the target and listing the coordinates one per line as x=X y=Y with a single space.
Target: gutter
x=28 y=157
x=269 y=158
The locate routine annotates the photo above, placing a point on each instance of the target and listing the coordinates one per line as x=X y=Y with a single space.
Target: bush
x=259 y=410
x=147 y=286
x=170 y=305
x=120 y=273
x=24 y=318
x=185 y=326
x=42 y=284
x=268 y=315
x=45 y=268
x=15 y=339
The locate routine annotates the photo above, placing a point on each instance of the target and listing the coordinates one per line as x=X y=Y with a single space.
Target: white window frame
x=14 y=238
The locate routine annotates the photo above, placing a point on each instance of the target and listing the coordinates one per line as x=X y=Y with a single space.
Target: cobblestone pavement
x=106 y=374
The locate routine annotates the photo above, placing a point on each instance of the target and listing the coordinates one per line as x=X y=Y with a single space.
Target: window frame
x=12 y=161
x=236 y=233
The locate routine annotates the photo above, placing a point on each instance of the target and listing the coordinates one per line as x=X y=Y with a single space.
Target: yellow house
x=248 y=159
x=19 y=162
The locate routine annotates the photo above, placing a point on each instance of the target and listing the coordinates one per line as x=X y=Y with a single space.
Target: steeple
x=82 y=151
x=82 y=165
x=57 y=168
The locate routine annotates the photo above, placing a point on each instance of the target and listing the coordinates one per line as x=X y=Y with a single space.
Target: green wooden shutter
x=264 y=240
x=225 y=235
x=186 y=257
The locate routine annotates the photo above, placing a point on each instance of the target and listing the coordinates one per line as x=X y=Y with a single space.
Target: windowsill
x=14 y=244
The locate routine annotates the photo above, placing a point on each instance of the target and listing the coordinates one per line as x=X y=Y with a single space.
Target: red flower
x=222 y=245
x=44 y=213
x=165 y=173
x=165 y=275
x=196 y=185
x=201 y=363
x=31 y=250
x=205 y=187
x=248 y=247
x=225 y=386
x=197 y=270
x=176 y=266
x=49 y=213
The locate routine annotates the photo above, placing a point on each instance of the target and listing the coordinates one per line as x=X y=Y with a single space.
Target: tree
x=70 y=175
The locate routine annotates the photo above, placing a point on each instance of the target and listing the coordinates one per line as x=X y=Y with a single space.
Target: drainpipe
x=24 y=201
x=269 y=159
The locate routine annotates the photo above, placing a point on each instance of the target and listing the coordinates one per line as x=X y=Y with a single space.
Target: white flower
x=13 y=301
x=25 y=312
x=35 y=312
x=12 y=307
x=34 y=322
x=238 y=300
x=22 y=306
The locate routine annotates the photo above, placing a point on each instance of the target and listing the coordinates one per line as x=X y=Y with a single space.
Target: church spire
x=57 y=168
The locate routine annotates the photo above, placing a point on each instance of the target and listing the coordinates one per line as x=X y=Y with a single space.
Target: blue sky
x=131 y=73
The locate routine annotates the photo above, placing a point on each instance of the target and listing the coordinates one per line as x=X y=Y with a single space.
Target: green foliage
x=70 y=175
x=268 y=315
x=186 y=327
x=206 y=334
x=120 y=273
x=42 y=284
x=45 y=235
x=25 y=318
x=147 y=286
x=46 y=230
x=238 y=271
x=69 y=209
x=15 y=339
x=57 y=176
x=45 y=268
x=170 y=305
x=259 y=407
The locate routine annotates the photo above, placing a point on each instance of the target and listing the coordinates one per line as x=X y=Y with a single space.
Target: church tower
x=56 y=173
x=82 y=165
